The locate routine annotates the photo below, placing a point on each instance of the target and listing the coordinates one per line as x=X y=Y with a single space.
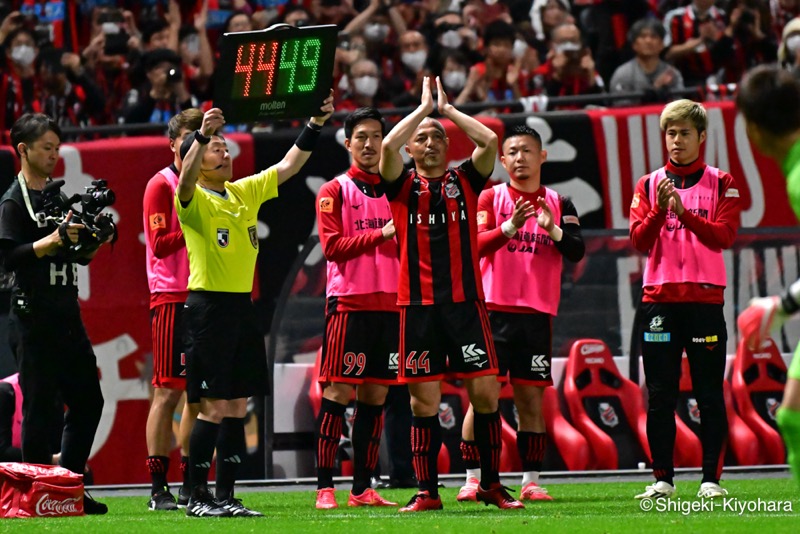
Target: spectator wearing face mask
x=499 y=77
x=450 y=33
x=20 y=88
x=378 y=21
x=569 y=69
x=453 y=72
x=364 y=87
x=789 y=50
x=404 y=86
x=546 y=15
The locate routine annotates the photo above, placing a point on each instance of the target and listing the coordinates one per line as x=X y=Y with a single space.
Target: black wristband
x=307 y=139
x=314 y=126
x=790 y=306
x=200 y=138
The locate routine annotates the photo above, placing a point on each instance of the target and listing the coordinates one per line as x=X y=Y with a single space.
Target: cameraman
x=747 y=40
x=52 y=350
x=163 y=95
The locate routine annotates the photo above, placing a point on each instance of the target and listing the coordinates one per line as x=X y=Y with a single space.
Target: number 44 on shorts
x=418 y=362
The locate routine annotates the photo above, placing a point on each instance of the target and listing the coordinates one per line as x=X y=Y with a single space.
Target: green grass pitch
x=578 y=508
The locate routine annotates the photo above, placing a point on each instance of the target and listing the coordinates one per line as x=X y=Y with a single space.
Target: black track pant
x=55 y=358
x=667 y=330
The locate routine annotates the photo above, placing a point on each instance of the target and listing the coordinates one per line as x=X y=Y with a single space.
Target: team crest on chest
x=251 y=231
x=223 y=237
x=451 y=190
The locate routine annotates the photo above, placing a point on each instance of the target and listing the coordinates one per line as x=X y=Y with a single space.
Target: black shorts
x=451 y=338
x=360 y=346
x=225 y=349
x=169 y=358
x=524 y=346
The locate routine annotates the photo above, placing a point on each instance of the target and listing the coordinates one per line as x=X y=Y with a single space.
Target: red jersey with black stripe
x=436 y=223
x=683 y=24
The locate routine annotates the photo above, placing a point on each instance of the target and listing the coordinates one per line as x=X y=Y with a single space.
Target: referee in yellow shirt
x=226 y=359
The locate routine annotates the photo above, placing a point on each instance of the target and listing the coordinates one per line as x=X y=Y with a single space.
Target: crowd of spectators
x=100 y=62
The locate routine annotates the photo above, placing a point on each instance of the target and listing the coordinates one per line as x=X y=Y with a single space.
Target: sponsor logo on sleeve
x=158 y=220
x=326 y=205
x=732 y=193
x=635 y=201
x=571 y=219
x=483 y=217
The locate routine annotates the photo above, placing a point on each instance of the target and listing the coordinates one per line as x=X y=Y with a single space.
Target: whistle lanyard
x=24 y=186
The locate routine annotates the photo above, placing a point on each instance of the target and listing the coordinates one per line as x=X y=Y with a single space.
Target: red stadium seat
x=605 y=407
x=757 y=380
x=566 y=441
x=742 y=443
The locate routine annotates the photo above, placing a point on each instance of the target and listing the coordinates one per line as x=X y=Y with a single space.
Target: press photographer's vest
x=678 y=255
x=16 y=425
x=170 y=274
x=376 y=270
x=50 y=277
x=526 y=271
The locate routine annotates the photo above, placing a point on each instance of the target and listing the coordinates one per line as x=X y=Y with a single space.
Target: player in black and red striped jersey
x=444 y=327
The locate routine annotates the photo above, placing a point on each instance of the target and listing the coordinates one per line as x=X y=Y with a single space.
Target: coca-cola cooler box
x=31 y=490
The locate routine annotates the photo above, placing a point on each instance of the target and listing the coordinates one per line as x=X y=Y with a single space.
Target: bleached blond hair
x=684 y=110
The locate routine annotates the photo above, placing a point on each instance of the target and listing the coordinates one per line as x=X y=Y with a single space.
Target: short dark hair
x=190 y=119
x=769 y=97
x=153 y=27
x=189 y=139
x=654 y=25
x=13 y=35
x=31 y=127
x=498 y=31
x=234 y=14
x=156 y=57
x=360 y=115
x=517 y=131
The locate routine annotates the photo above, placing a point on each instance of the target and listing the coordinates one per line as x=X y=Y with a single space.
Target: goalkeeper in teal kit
x=769 y=99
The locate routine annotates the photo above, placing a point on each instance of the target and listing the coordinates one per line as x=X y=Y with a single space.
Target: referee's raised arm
x=299 y=153
x=391 y=166
x=190 y=171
